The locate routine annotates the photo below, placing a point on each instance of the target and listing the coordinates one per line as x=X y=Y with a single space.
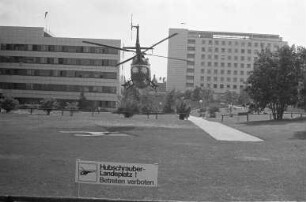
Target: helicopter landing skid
x=128 y=84
x=153 y=85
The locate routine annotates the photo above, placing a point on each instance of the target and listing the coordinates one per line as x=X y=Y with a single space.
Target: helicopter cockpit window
x=144 y=70
x=135 y=70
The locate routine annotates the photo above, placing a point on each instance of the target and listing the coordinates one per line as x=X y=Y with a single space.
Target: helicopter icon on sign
x=86 y=172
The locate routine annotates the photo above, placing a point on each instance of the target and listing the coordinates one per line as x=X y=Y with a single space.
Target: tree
x=243 y=97
x=170 y=102
x=9 y=103
x=301 y=51
x=274 y=81
x=84 y=104
x=231 y=97
x=129 y=102
x=196 y=94
x=49 y=104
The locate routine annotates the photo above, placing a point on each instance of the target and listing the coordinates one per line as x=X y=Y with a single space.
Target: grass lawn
x=37 y=160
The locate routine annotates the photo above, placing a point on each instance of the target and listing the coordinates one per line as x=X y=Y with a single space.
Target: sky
x=110 y=19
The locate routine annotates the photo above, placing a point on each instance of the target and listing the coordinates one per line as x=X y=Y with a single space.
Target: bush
x=212 y=111
x=9 y=103
x=183 y=110
x=128 y=109
x=48 y=104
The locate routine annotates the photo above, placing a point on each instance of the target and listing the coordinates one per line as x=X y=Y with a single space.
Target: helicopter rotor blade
x=172 y=58
x=126 y=60
x=103 y=45
x=172 y=35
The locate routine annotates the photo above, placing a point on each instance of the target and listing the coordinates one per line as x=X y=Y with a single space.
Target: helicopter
x=85 y=172
x=140 y=66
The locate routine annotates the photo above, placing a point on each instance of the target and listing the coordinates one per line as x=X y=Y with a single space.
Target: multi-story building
x=220 y=61
x=35 y=65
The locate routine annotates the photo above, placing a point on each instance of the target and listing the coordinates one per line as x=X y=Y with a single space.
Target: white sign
x=110 y=173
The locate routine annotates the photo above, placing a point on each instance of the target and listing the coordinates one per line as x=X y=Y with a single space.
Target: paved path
x=222 y=132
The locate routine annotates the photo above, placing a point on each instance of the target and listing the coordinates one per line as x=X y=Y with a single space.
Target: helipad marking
x=222 y=132
x=93 y=134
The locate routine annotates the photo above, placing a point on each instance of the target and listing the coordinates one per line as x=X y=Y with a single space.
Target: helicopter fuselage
x=140 y=73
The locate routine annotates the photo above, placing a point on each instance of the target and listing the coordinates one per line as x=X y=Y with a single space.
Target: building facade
x=221 y=61
x=35 y=65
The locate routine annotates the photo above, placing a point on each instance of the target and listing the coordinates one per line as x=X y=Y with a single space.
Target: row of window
x=56 y=87
x=208 y=78
x=223 y=57
x=215 y=86
x=221 y=64
x=234 y=43
x=61 y=61
x=222 y=71
x=58 y=48
x=59 y=73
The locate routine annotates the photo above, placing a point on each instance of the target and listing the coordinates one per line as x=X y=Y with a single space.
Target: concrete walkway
x=222 y=132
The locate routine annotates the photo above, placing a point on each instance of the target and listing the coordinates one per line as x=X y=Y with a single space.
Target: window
x=222 y=64
x=216 y=57
x=216 y=50
x=241 y=72
x=215 y=71
x=189 y=70
x=234 y=86
x=249 y=44
x=221 y=78
x=228 y=79
x=223 y=43
x=202 y=78
x=242 y=65
x=229 y=50
x=210 y=42
x=203 y=49
x=229 y=57
x=191 y=41
x=190 y=55
x=190 y=63
x=229 y=64
x=208 y=71
x=221 y=85
x=189 y=77
x=209 y=56
x=222 y=71
x=242 y=58
x=203 y=41
x=202 y=64
x=215 y=86
x=191 y=48
x=229 y=43
x=216 y=42
x=202 y=71
x=222 y=50
x=242 y=51
x=234 y=79
x=215 y=78
x=216 y=64
x=249 y=51
x=248 y=65
x=235 y=72
x=228 y=71
x=208 y=78
x=209 y=64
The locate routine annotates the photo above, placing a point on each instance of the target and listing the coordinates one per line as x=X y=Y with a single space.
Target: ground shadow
x=300 y=135
x=275 y=122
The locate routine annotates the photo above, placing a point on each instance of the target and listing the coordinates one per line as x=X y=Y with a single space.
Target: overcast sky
x=110 y=19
